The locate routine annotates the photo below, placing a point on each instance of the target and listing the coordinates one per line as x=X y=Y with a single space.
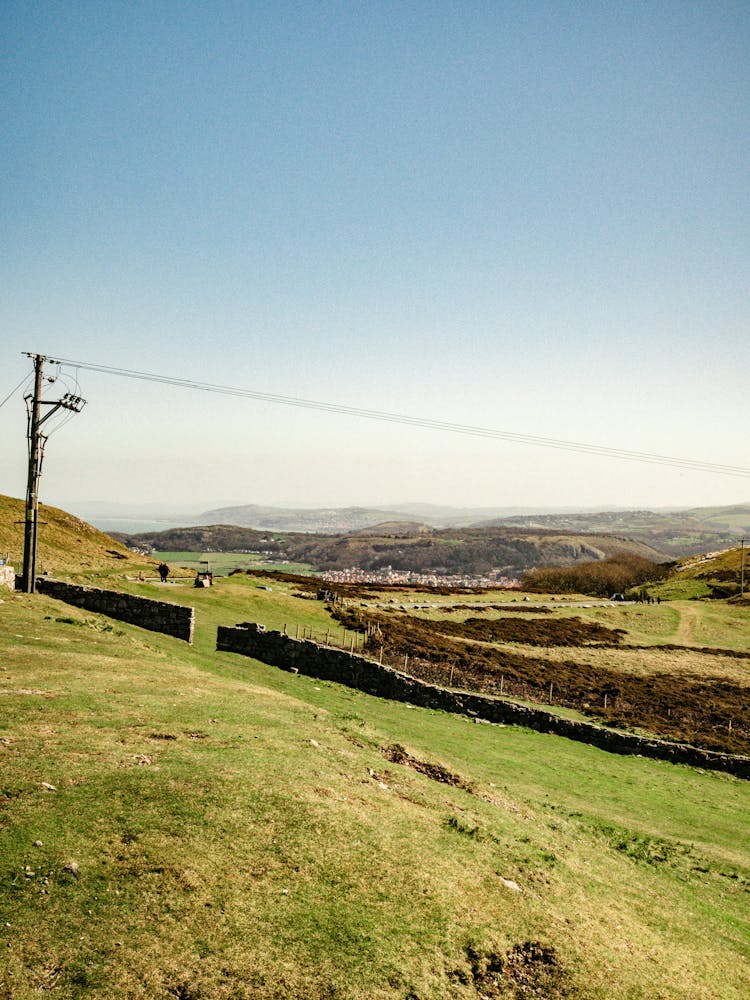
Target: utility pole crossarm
x=68 y=402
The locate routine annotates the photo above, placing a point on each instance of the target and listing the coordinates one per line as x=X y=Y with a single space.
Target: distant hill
x=671 y=532
x=395 y=528
x=674 y=533
x=467 y=551
x=330 y=520
x=336 y=520
x=65 y=542
x=736 y=518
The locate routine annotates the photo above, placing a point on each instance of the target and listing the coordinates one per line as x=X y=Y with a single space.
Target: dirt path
x=685 y=634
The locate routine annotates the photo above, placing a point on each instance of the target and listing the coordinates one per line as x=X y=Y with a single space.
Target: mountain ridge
x=674 y=532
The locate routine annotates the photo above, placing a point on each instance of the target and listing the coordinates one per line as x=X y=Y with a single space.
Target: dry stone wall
x=326 y=663
x=156 y=616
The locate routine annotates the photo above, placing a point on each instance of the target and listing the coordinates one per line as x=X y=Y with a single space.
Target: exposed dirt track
x=686 y=629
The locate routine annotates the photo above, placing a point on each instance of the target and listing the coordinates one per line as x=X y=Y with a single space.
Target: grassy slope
x=225 y=562
x=250 y=816
x=692 y=578
x=458 y=550
x=64 y=543
x=718 y=624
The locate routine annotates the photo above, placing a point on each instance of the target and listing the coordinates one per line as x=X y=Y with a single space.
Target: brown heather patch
x=709 y=712
x=554 y=632
x=643 y=661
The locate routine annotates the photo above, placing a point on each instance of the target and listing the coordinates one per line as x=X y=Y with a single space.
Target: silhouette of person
x=163 y=572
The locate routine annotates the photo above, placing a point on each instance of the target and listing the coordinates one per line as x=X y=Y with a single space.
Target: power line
x=412 y=421
x=25 y=379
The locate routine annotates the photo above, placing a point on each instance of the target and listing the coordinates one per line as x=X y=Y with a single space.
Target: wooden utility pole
x=36 y=456
x=742 y=567
x=31 y=521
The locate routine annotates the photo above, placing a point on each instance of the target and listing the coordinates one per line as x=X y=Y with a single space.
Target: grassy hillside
x=64 y=541
x=736 y=518
x=674 y=533
x=467 y=551
x=712 y=575
x=180 y=823
x=177 y=823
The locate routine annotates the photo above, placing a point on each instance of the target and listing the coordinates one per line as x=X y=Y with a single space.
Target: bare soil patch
x=397 y=755
x=529 y=969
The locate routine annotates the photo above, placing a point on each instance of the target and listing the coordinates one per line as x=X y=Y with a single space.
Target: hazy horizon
x=113 y=510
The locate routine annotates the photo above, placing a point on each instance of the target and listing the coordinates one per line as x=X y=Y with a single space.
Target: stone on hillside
x=510 y=884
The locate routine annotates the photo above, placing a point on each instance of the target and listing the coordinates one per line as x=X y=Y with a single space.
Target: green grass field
x=225 y=562
x=180 y=823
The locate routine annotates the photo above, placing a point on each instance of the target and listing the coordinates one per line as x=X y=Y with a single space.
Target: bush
x=599 y=578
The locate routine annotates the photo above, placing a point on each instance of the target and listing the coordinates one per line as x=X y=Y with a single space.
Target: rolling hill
x=338 y=520
x=504 y=550
x=675 y=533
x=64 y=541
x=711 y=575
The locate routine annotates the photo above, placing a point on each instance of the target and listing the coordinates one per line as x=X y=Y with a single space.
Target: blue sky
x=525 y=216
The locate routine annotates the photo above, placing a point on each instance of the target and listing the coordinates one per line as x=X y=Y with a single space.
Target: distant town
x=387 y=575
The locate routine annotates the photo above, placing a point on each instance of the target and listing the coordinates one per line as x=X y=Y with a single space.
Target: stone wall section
x=156 y=616
x=306 y=657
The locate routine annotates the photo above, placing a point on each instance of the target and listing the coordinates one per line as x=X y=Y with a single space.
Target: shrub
x=599 y=578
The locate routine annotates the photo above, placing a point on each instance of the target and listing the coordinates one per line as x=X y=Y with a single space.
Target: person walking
x=163 y=572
